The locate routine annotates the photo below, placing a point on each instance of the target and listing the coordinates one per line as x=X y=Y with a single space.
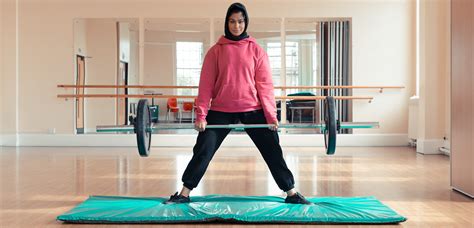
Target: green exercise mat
x=229 y=208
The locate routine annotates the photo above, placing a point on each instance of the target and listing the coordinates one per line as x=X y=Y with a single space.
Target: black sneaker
x=177 y=199
x=297 y=199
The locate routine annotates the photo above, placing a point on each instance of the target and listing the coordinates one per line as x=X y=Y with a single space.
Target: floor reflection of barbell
x=144 y=128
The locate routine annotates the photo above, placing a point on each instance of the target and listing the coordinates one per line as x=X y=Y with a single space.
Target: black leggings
x=266 y=140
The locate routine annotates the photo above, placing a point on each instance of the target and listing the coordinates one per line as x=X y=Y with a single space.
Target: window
x=292 y=66
x=189 y=57
x=274 y=56
x=292 y=62
x=314 y=59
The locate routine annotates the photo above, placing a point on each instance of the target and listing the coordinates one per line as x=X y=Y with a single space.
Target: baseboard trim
x=8 y=140
x=170 y=140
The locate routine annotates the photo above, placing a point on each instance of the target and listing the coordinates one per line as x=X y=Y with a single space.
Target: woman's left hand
x=274 y=127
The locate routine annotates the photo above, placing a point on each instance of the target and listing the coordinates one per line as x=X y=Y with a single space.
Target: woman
x=236 y=85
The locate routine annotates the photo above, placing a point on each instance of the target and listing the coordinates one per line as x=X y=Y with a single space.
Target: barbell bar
x=144 y=128
x=157 y=127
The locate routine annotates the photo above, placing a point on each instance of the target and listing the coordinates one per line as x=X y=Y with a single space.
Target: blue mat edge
x=226 y=218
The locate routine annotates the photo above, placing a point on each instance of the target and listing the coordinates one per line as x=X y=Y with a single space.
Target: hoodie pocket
x=232 y=94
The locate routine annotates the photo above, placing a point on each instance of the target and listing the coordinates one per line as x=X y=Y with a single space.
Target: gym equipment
x=332 y=126
x=143 y=126
x=231 y=208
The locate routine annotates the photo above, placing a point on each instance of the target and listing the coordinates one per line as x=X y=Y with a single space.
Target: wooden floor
x=39 y=183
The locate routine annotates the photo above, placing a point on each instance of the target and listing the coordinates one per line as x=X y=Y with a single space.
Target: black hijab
x=235 y=8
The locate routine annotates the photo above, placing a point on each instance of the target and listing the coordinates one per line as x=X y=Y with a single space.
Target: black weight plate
x=330 y=131
x=142 y=124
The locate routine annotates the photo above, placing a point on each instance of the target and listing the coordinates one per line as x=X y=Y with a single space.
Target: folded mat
x=230 y=208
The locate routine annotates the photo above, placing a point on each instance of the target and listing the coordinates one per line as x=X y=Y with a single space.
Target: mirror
x=105 y=53
x=302 y=70
x=174 y=52
x=265 y=31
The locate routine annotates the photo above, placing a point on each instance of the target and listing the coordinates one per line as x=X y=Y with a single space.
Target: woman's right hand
x=200 y=126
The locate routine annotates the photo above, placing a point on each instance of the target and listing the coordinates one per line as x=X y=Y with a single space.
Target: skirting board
x=8 y=140
x=169 y=140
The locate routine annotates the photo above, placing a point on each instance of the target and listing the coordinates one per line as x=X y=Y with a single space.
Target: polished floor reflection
x=39 y=183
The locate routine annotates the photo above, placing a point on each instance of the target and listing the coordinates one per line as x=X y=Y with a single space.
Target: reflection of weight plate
x=142 y=128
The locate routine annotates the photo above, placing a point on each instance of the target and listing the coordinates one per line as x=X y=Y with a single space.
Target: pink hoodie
x=236 y=77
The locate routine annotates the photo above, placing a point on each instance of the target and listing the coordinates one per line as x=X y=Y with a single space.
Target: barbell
x=144 y=128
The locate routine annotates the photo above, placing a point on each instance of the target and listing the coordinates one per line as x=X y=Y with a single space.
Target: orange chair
x=189 y=107
x=172 y=106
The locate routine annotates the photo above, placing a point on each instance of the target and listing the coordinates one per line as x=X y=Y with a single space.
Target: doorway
x=80 y=81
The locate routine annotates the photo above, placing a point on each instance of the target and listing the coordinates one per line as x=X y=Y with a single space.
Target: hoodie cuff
x=271 y=119
x=200 y=118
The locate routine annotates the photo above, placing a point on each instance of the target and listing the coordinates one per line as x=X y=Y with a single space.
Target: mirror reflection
x=174 y=52
x=105 y=53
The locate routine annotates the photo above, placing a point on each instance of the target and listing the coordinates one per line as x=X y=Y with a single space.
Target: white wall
x=383 y=53
x=434 y=75
x=1 y=74
x=8 y=84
